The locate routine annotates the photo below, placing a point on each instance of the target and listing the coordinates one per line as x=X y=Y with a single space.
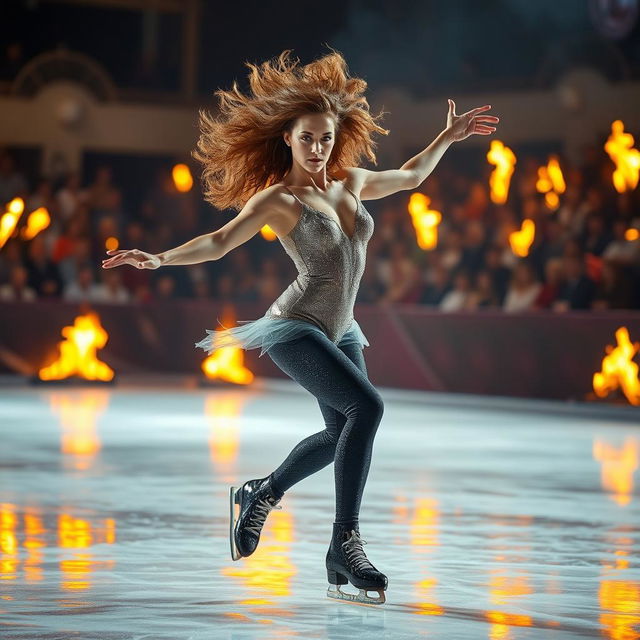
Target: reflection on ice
x=113 y=520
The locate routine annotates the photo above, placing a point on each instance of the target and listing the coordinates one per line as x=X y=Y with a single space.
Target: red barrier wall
x=535 y=354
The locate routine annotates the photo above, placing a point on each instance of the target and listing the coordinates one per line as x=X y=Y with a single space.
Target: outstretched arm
x=259 y=210
x=378 y=184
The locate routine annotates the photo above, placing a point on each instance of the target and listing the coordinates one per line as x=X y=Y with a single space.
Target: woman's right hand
x=135 y=257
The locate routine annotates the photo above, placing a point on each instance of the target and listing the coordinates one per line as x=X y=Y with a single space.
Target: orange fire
x=227 y=363
x=36 y=222
x=551 y=182
x=521 y=240
x=182 y=178
x=619 y=146
x=619 y=370
x=503 y=159
x=268 y=233
x=9 y=220
x=425 y=221
x=78 y=352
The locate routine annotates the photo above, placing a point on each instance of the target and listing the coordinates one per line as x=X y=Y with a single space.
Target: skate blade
x=233 y=491
x=361 y=597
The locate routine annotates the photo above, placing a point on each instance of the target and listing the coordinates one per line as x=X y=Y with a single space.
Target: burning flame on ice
x=78 y=352
x=619 y=370
x=227 y=362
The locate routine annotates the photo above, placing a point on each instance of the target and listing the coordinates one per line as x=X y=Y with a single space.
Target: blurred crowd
x=580 y=257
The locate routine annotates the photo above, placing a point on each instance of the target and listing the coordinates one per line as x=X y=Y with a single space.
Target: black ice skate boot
x=346 y=562
x=256 y=499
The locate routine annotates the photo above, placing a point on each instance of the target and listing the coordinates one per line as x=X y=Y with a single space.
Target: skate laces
x=355 y=553
x=261 y=511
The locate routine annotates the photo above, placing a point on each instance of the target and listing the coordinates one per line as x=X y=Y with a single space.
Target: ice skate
x=255 y=500
x=346 y=562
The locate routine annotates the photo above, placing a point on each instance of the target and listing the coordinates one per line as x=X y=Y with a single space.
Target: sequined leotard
x=330 y=265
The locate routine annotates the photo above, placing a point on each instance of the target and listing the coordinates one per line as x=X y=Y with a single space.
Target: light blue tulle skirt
x=269 y=330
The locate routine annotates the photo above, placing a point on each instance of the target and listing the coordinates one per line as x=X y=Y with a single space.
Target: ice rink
x=492 y=518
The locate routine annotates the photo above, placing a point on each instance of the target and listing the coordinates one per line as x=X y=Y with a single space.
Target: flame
x=10 y=219
x=36 y=222
x=111 y=243
x=521 y=240
x=268 y=233
x=551 y=182
x=619 y=146
x=425 y=221
x=503 y=159
x=618 y=369
x=227 y=363
x=78 y=352
x=182 y=178
x=631 y=234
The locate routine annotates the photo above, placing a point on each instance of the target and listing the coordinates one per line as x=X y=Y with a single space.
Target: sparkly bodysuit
x=330 y=265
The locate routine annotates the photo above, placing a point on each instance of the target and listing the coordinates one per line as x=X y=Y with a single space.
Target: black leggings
x=352 y=409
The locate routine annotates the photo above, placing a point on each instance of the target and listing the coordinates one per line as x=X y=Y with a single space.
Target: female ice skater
x=287 y=156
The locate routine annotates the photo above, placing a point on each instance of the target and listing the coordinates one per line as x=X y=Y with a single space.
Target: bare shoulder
x=274 y=197
x=279 y=207
x=352 y=177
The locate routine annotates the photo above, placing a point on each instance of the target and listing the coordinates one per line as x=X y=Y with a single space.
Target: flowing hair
x=243 y=151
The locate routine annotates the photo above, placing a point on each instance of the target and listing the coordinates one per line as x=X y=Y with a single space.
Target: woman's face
x=312 y=136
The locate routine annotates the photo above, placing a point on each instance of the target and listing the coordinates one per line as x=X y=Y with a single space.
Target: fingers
x=477 y=110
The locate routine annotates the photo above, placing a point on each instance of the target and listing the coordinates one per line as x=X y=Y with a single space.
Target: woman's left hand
x=468 y=123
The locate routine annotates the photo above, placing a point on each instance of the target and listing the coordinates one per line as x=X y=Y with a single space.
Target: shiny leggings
x=351 y=407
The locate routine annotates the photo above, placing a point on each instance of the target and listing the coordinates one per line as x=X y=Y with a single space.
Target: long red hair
x=243 y=151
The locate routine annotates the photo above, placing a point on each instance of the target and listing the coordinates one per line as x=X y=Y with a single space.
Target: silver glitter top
x=330 y=265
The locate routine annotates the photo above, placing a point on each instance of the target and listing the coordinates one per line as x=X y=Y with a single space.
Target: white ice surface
x=489 y=523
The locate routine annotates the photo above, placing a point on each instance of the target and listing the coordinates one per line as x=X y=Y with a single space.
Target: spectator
x=452 y=251
x=69 y=197
x=483 y=294
x=621 y=250
x=595 y=236
x=12 y=183
x=103 y=198
x=553 y=283
x=269 y=285
x=111 y=290
x=84 y=289
x=17 y=288
x=500 y=274
x=578 y=289
x=474 y=246
x=457 y=298
x=371 y=289
x=44 y=275
x=523 y=289
x=244 y=277
x=402 y=277
x=10 y=256
x=438 y=285
x=165 y=287
x=615 y=289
